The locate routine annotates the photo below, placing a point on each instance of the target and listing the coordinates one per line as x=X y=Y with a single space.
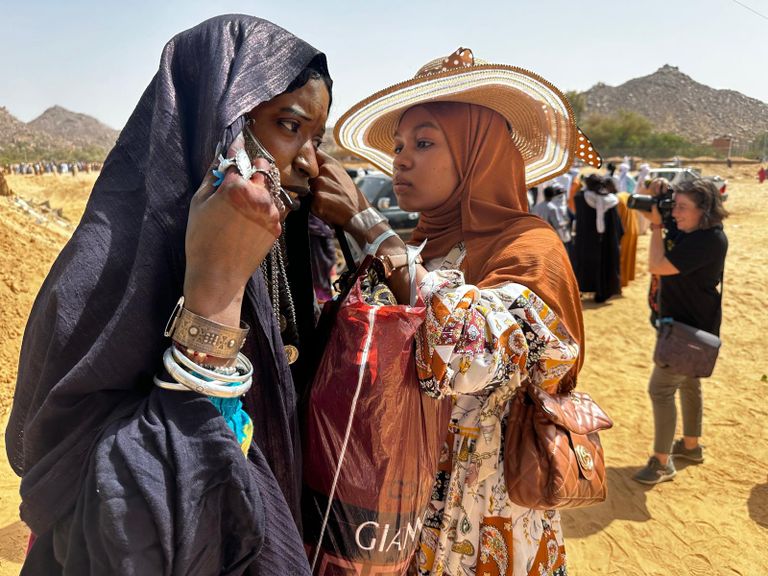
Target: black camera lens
x=641 y=202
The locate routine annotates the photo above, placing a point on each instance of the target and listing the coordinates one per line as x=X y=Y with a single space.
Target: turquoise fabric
x=234 y=415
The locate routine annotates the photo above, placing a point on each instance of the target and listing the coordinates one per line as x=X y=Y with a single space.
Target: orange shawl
x=489 y=212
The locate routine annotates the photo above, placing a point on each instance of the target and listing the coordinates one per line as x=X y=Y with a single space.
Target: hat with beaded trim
x=541 y=119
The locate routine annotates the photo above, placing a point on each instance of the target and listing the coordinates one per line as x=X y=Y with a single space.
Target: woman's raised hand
x=230 y=230
x=656 y=187
x=336 y=198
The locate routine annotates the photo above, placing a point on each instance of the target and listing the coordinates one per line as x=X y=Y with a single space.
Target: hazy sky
x=97 y=57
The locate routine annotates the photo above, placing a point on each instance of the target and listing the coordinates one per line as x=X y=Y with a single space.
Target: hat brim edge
x=370 y=153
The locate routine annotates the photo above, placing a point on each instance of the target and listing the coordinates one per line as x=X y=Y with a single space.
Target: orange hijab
x=489 y=212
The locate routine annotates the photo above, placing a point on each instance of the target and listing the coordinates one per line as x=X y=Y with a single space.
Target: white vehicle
x=679 y=175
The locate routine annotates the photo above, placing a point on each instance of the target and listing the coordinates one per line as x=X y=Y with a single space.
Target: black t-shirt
x=692 y=297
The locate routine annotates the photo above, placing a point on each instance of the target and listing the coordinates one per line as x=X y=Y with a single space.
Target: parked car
x=355 y=173
x=377 y=188
x=679 y=175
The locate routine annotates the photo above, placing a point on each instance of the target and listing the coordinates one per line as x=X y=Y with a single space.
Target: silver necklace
x=273 y=266
x=273 y=269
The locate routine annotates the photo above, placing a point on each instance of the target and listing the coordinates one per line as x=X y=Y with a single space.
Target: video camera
x=663 y=201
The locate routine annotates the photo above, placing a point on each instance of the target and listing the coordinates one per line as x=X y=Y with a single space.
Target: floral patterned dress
x=476 y=346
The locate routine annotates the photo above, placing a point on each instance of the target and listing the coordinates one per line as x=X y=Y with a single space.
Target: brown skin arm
x=337 y=200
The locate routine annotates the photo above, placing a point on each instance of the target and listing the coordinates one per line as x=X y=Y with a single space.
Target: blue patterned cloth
x=236 y=418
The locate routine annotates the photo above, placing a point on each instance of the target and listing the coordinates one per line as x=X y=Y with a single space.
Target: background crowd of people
x=40 y=167
x=590 y=215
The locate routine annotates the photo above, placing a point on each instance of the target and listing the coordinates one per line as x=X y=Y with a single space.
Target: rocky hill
x=56 y=134
x=78 y=129
x=10 y=125
x=670 y=99
x=676 y=103
x=14 y=131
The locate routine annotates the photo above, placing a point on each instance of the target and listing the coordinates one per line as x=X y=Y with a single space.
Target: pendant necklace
x=273 y=268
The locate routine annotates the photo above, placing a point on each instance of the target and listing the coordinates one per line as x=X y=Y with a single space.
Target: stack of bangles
x=196 y=339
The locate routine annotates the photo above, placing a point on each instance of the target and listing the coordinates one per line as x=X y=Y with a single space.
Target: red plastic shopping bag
x=372 y=442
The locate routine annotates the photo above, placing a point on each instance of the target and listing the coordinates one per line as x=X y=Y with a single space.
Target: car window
x=668 y=174
x=372 y=187
x=389 y=192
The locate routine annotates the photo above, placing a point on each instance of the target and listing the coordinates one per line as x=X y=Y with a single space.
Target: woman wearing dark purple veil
x=136 y=453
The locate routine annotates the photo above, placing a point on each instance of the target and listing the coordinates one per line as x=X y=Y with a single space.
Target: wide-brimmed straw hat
x=541 y=119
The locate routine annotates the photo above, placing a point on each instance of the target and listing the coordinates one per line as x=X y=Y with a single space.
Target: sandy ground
x=712 y=520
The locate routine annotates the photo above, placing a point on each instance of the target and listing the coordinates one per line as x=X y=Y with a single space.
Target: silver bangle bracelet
x=366 y=219
x=204 y=387
x=175 y=386
x=216 y=388
x=242 y=362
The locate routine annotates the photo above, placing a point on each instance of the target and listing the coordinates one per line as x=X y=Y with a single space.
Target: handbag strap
x=369 y=253
x=722 y=283
x=354 y=270
x=349 y=259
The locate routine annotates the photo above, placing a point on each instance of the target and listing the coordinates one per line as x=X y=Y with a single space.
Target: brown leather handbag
x=552 y=455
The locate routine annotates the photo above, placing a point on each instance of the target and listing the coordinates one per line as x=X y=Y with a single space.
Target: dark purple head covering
x=95 y=335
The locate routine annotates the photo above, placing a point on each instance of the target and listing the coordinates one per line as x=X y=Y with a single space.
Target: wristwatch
x=385 y=264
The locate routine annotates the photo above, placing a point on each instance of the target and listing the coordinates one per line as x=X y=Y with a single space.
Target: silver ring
x=273 y=185
x=226 y=163
x=243 y=163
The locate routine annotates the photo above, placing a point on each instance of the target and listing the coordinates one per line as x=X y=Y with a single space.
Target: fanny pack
x=684 y=349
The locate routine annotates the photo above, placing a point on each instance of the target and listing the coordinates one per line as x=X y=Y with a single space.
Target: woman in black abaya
x=598 y=238
x=120 y=476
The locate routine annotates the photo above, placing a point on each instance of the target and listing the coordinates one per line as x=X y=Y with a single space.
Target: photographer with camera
x=687 y=255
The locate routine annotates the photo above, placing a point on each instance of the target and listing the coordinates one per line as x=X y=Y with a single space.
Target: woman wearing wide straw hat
x=464 y=141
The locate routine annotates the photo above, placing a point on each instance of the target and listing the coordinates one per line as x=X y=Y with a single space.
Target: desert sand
x=711 y=520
